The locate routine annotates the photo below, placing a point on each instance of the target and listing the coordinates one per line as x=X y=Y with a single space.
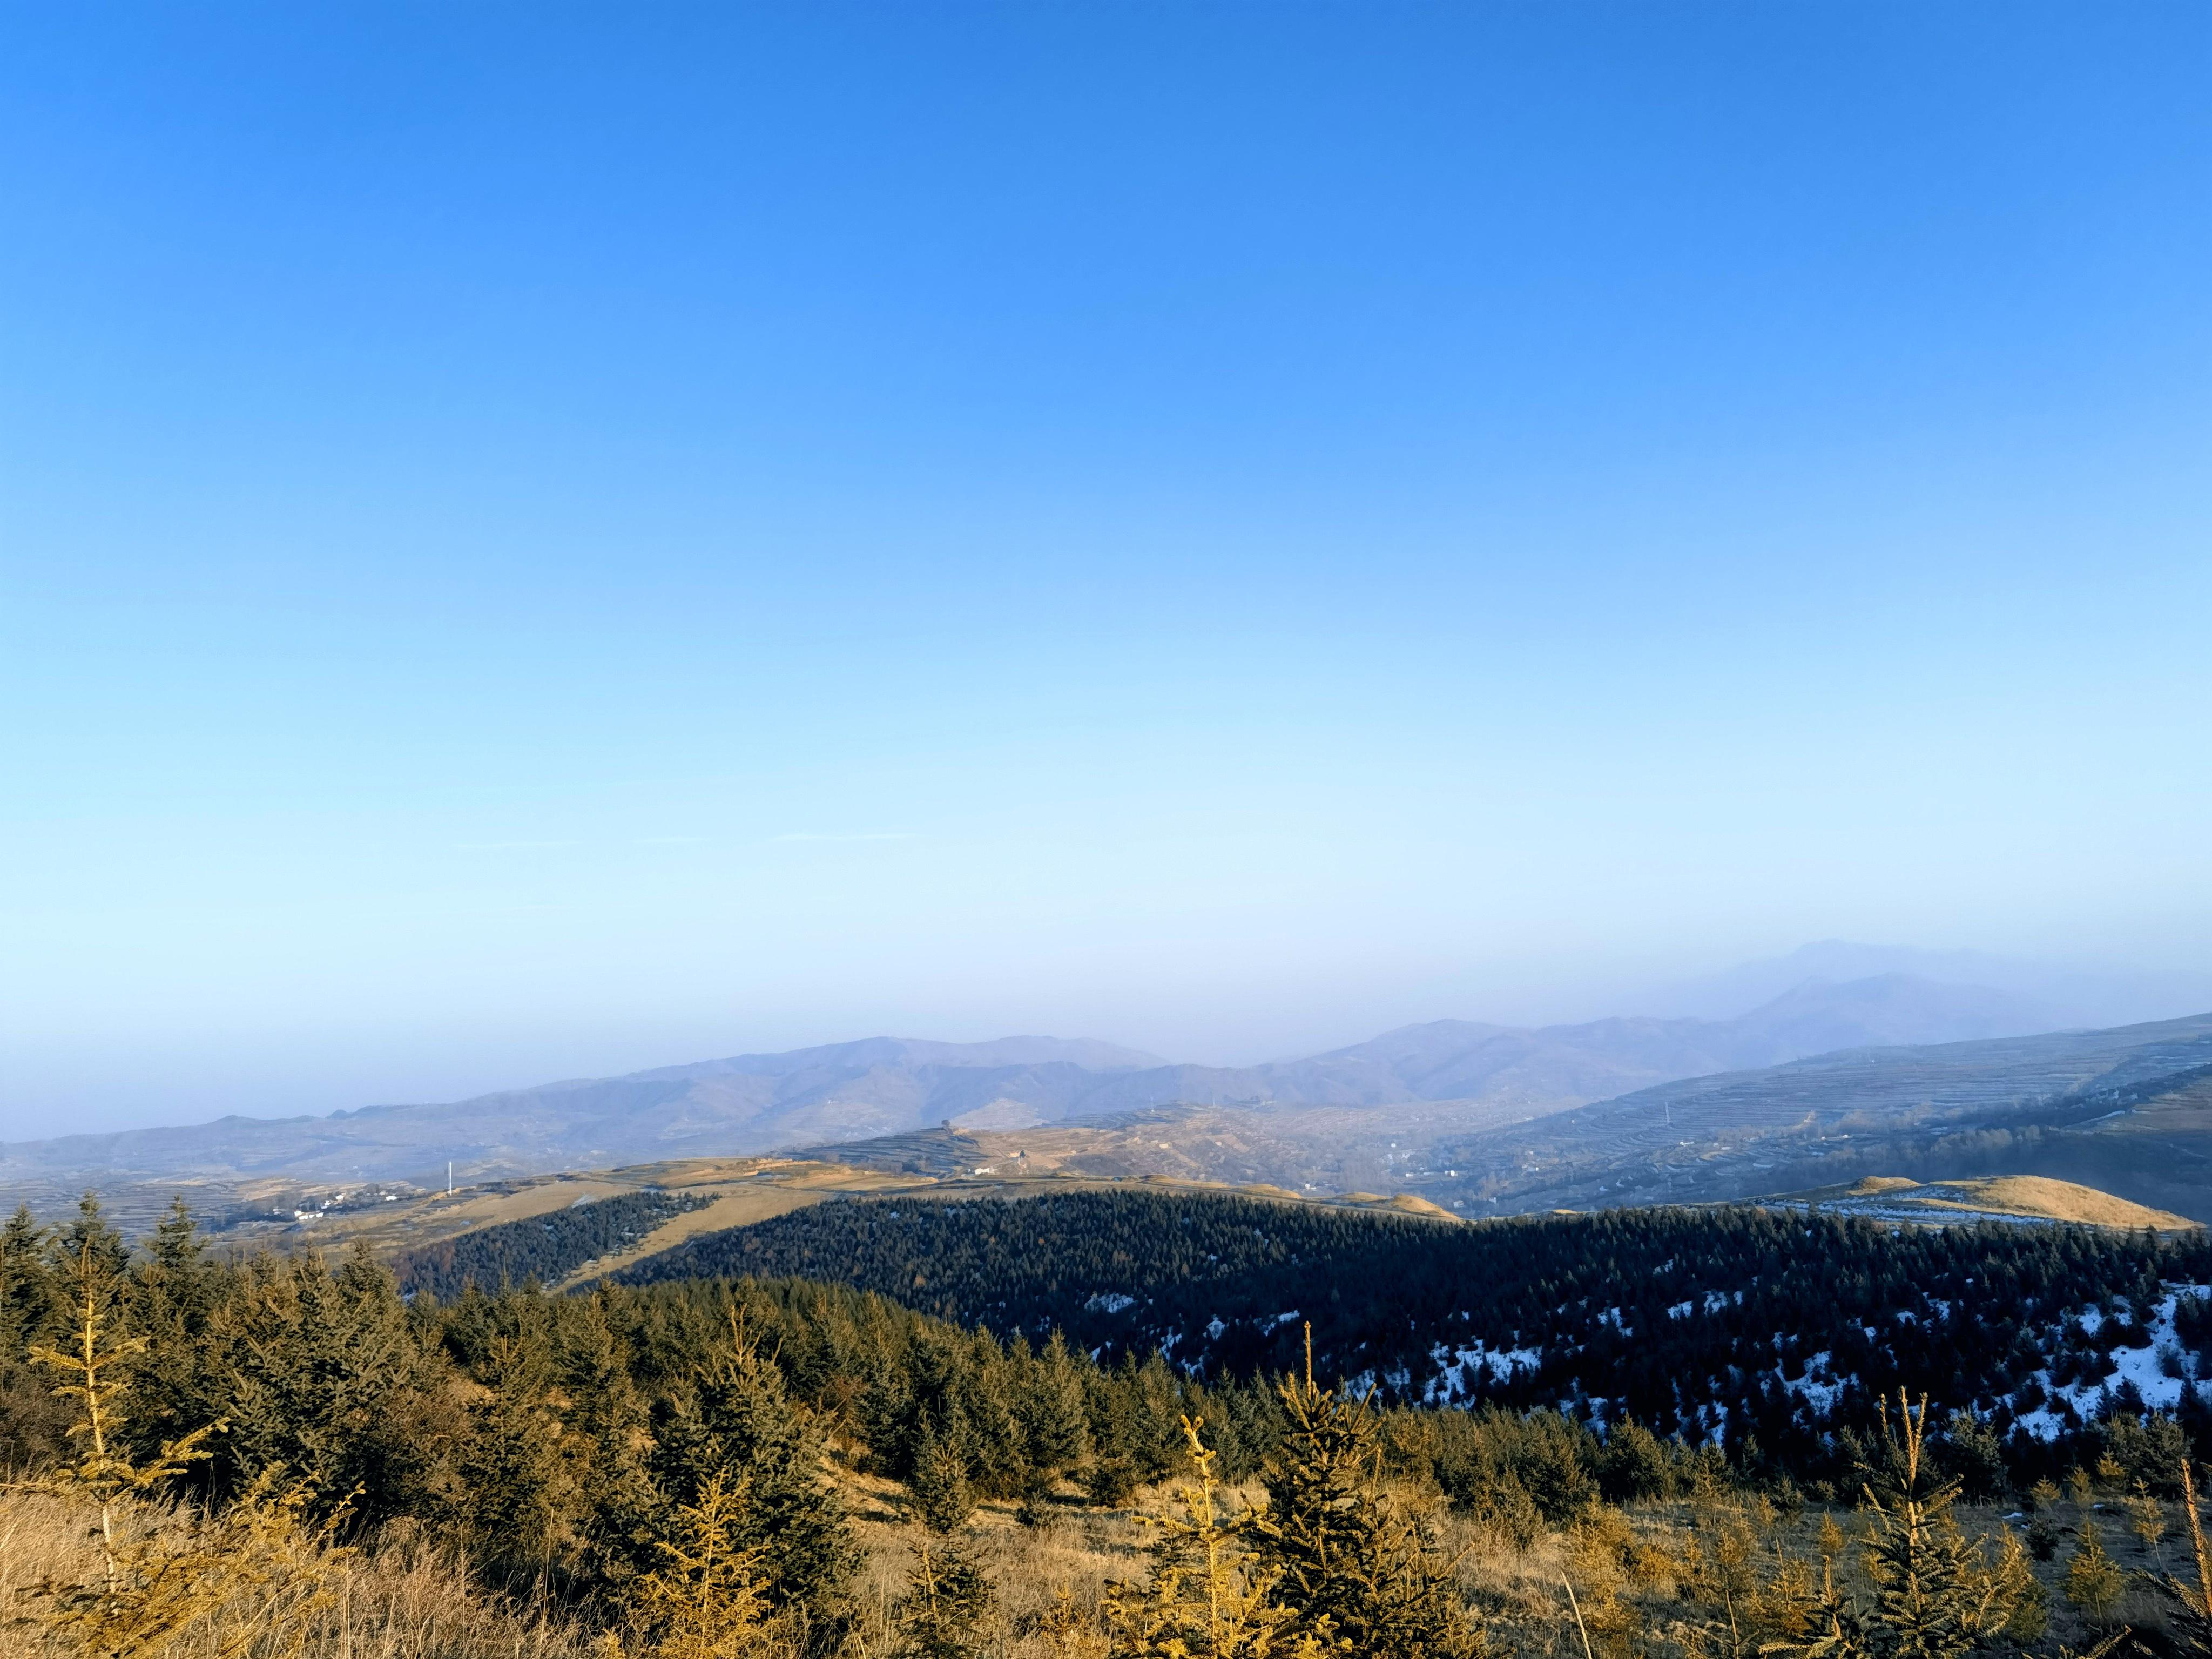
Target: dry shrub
x=1601 y=1554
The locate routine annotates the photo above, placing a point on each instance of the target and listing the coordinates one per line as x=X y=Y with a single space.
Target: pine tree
x=28 y=1294
x=323 y=1378
x=947 y=1599
x=90 y=1366
x=1934 y=1596
x=1838 y=1631
x=1050 y=1414
x=149 y=1590
x=1725 y=1573
x=703 y=1600
x=1350 y=1562
x=33 y=1427
x=734 y=1417
x=176 y=1291
x=519 y=1496
x=90 y=1237
x=175 y=1247
x=2094 y=1581
x=611 y=1423
x=1976 y=1456
x=942 y=1498
x=2191 y=1618
x=1066 y=1632
x=1207 y=1597
x=1112 y=1476
x=1635 y=1465
x=990 y=1435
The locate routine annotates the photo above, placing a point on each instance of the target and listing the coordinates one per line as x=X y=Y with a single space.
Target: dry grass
x=740 y=1208
x=404 y=1598
x=2060 y=1200
x=1999 y=1198
x=401 y=1600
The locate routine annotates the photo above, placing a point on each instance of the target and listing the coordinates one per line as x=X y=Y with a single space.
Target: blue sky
x=544 y=540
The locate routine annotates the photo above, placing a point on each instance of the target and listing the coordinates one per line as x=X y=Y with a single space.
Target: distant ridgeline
x=1713 y=1323
x=543 y=1249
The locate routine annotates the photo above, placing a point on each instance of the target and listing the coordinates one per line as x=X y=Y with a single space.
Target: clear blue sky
x=544 y=539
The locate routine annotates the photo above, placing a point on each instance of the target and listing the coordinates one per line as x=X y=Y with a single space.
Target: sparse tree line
x=664 y=1464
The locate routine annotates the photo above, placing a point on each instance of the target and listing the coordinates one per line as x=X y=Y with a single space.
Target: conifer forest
x=968 y=1447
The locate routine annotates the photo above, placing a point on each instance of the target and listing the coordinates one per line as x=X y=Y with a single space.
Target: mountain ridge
x=882 y=1085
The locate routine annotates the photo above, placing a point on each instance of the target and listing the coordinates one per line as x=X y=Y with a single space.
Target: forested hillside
x=540 y=1249
x=594 y=1452
x=1748 y=1326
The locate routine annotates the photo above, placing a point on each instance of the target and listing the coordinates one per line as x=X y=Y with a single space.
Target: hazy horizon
x=539 y=544
x=2088 y=996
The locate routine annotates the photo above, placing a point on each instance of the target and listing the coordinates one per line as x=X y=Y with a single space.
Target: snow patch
x=2124 y=1364
x=1460 y=1371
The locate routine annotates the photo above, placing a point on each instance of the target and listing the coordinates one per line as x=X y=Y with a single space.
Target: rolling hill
x=2011 y=1198
x=2128 y=1110
x=1430 y=1080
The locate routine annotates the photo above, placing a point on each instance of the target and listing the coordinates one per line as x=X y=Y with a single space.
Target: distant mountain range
x=2127 y=1109
x=2061 y=998
x=1456 y=1072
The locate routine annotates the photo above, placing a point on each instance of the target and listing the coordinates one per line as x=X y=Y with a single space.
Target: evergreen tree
x=1111 y=1478
x=1935 y=1596
x=1351 y=1565
x=735 y=1419
x=1050 y=1411
x=2094 y=1581
x=609 y=1423
x=176 y=1249
x=324 y=1379
x=704 y=1601
x=942 y=1498
x=89 y=1236
x=1975 y=1457
x=1726 y=1573
x=254 y=1573
x=32 y=1425
x=2191 y=1614
x=1635 y=1467
x=28 y=1293
x=1836 y=1630
x=176 y=1293
x=519 y=1497
x=990 y=1435
x=1206 y=1596
x=947 y=1599
x=1064 y=1630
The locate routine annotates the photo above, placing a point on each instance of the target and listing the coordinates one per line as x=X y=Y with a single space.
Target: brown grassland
x=1649 y=1579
